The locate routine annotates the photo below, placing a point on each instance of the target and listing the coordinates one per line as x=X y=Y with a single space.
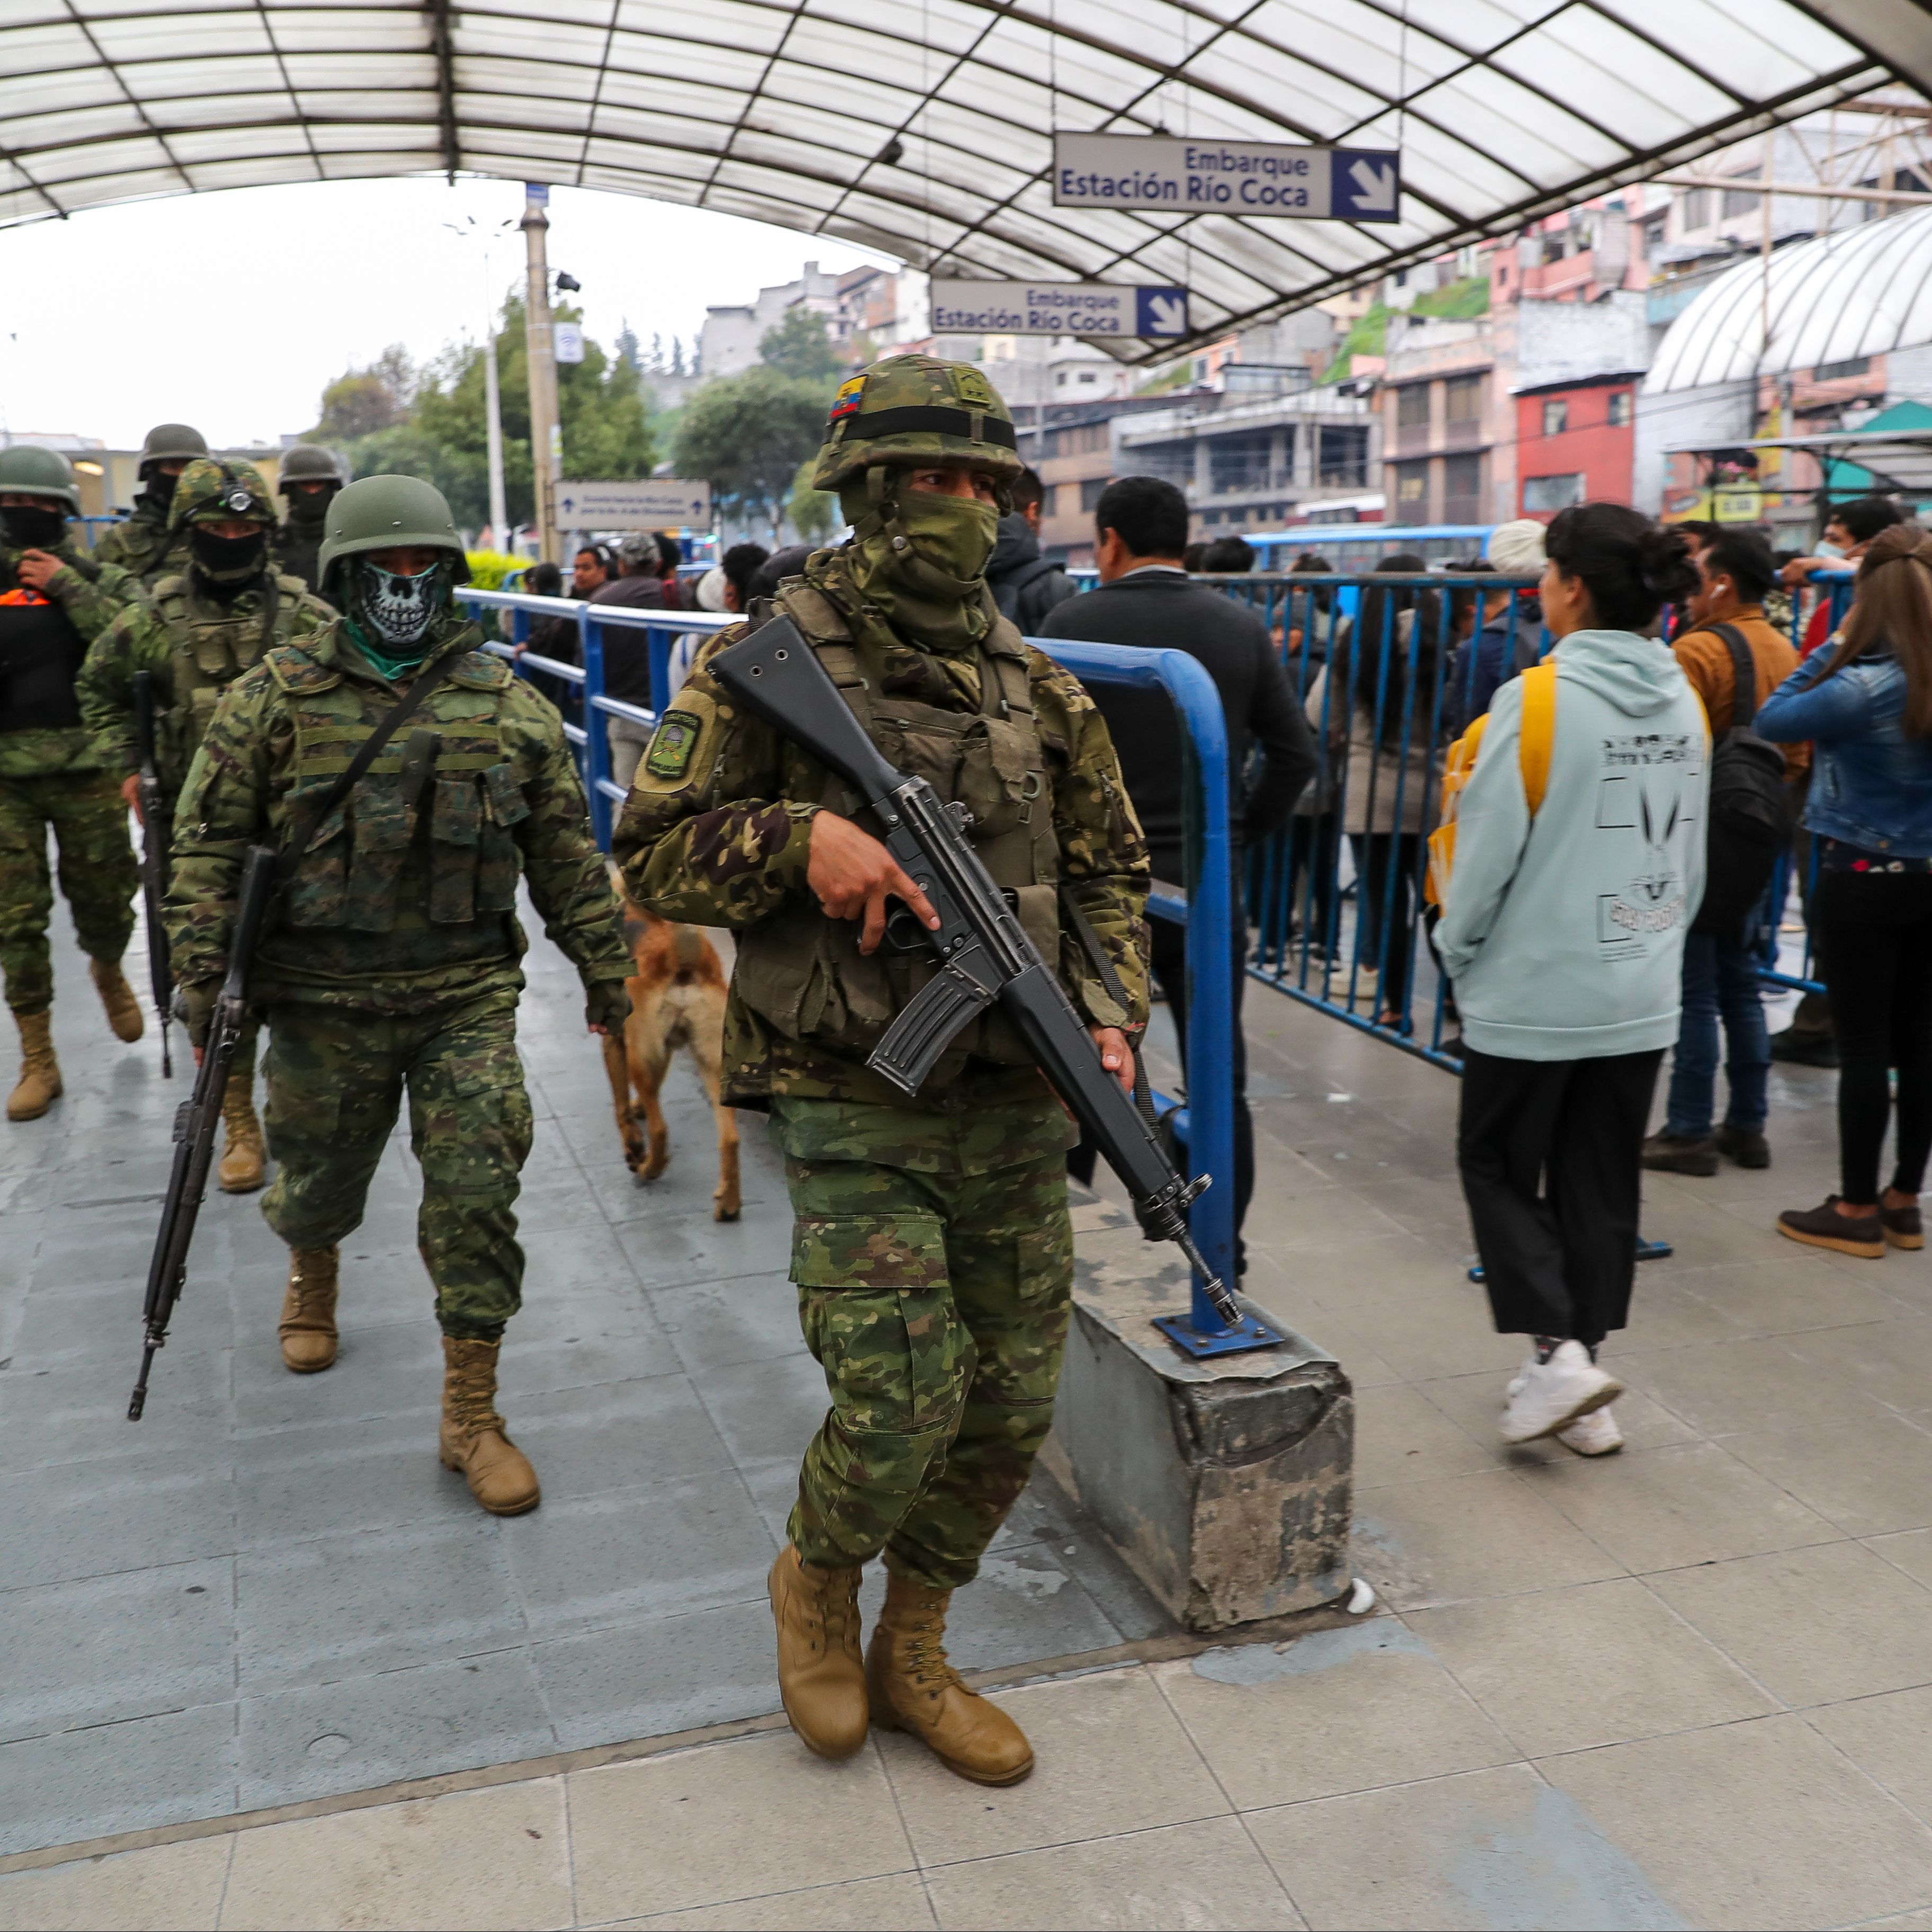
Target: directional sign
x=638 y=503
x=1056 y=308
x=1183 y=177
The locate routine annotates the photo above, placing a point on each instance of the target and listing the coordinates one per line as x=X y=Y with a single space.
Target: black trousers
x=1169 y=960
x=1874 y=934
x=1550 y=1153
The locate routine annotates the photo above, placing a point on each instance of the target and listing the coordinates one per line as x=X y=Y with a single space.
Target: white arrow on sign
x=1375 y=188
x=1169 y=314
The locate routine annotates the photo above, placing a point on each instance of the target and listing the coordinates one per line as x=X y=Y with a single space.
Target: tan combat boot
x=308 y=1311
x=474 y=1439
x=39 y=1085
x=124 y=1014
x=821 y=1676
x=914 y=1689
x=241 y=1171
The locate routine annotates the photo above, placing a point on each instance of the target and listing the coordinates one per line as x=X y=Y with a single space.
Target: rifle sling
x=1090 y=943
x=306 y=828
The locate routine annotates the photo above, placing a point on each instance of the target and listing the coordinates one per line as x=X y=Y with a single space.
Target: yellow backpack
x=1533 y=749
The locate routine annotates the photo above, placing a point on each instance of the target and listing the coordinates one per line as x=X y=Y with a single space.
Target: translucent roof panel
x=923 y=127
x=1862 y=291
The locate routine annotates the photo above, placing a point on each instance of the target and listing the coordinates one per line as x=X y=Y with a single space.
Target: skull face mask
x=396 y=610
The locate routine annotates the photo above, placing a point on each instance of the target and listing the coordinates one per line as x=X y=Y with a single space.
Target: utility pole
x=546 y=427
x=493 y=424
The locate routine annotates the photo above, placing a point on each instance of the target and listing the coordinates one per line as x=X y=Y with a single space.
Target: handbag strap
x=308 y=826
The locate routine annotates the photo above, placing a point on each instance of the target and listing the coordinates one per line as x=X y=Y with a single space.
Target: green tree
x=813 y=512
x=442 y=437
x=746 y=435
x=799 y=346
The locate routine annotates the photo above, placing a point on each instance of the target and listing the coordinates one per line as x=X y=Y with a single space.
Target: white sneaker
x=1548 y=1397
x=1596 y=1434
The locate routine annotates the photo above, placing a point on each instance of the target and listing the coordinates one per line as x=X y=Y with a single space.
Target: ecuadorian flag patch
x=672 y=744
x=846 y=402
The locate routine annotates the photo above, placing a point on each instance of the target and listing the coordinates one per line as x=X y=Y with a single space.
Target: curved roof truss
x=922 y=127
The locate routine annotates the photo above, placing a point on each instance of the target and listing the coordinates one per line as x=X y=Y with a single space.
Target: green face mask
x=922 y=561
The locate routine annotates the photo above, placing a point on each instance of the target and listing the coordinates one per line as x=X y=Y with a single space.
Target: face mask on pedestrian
x=394 y=613
x=923 y=563
x=228 y=560
x=32 y=525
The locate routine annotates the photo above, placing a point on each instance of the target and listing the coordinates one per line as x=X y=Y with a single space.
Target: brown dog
x=677 y=999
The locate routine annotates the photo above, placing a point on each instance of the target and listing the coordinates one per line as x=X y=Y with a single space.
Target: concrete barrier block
x=1226 y=1485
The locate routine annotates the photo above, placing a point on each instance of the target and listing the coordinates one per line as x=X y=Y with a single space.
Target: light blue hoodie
x=1564 y=935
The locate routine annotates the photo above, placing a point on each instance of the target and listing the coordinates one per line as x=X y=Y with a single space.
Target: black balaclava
x=158 y=487
x=308 y=509
x=227 y=565
x=33 y=525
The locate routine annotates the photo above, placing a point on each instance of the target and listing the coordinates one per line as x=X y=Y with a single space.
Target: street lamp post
x=546 y=428
x=492 y=405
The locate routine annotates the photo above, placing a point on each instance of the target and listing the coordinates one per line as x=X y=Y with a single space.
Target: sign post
x=1179 y=176
x=1094 y=310
x=635 y=503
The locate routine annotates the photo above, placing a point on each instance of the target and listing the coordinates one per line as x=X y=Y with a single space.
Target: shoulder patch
x=482 y=671
x=673 y=745
x=293 y=669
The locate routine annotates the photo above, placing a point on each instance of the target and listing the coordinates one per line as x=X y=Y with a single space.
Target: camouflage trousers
x=934 y=1259
x=99 y=876
x=336 y=1078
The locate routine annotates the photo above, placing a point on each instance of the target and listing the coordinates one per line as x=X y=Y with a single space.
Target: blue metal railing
x=1205 y=908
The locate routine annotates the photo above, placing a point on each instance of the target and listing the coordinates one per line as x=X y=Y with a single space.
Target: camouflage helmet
x=909 y=409
x=214 y=488
x=171 y=443
x=310 y=463
x=31 y=471
x=389 y=513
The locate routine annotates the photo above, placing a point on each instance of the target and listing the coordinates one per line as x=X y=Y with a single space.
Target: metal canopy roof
x=922 y=127
x=1899 y=459
x=1860 y=292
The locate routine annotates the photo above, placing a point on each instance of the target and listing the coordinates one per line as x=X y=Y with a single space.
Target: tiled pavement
x=1690 y=1685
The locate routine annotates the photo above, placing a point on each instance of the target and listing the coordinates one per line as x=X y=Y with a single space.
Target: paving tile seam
x=1134 y=1654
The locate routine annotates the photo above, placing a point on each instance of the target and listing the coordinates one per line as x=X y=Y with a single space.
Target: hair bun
x=1664 y=563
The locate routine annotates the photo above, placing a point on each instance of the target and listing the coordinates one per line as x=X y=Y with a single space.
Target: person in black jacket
x=1145 y=598
x=1024 y=585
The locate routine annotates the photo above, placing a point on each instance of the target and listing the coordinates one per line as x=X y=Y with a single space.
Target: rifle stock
x=196 y=1119
x=983 y=950
x=157 y=837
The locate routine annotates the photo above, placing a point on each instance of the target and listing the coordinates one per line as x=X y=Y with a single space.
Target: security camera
x=568 y=284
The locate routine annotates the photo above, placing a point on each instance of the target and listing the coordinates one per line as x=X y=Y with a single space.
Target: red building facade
x=1576 y=443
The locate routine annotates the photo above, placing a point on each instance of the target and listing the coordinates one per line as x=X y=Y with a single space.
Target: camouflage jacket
x=92 y=594
x=192 y=648
x=147 y=545
x=718 y=830
x=404 y=899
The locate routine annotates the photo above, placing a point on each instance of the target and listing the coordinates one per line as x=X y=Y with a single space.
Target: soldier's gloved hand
x=194 y=1007
x=607 y=1005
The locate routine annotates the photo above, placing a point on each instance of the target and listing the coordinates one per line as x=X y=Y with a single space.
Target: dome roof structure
x=1859 y=292
x=922 y=127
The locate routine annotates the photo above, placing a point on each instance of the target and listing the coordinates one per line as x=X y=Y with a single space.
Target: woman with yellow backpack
x=1569 y=865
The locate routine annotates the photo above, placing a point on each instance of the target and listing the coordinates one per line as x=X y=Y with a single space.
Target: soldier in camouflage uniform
x=149 y=545
x=54 y=600
x=198 y=629
x=931 y=1248
x=310 y=477
x=390 y=960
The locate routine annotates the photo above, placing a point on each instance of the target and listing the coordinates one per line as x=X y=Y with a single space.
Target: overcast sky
x=230 y=311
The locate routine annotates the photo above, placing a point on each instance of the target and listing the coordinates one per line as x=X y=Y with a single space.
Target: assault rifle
x=157 y=835
x=984 y=953
x=197 y=1117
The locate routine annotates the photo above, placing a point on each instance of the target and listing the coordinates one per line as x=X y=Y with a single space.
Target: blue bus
x=1360 y=547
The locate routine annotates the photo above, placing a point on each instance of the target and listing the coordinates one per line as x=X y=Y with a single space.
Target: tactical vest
x=802 y=972
x=449 y=779
x=208 y=649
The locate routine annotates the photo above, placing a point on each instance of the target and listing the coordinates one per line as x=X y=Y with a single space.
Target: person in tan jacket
x=1721 y=982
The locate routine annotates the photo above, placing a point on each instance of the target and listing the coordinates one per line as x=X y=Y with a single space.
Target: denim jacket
x=1871 y=785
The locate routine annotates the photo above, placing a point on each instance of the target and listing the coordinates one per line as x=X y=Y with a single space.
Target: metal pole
x=493 y=416
x=546 y=429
